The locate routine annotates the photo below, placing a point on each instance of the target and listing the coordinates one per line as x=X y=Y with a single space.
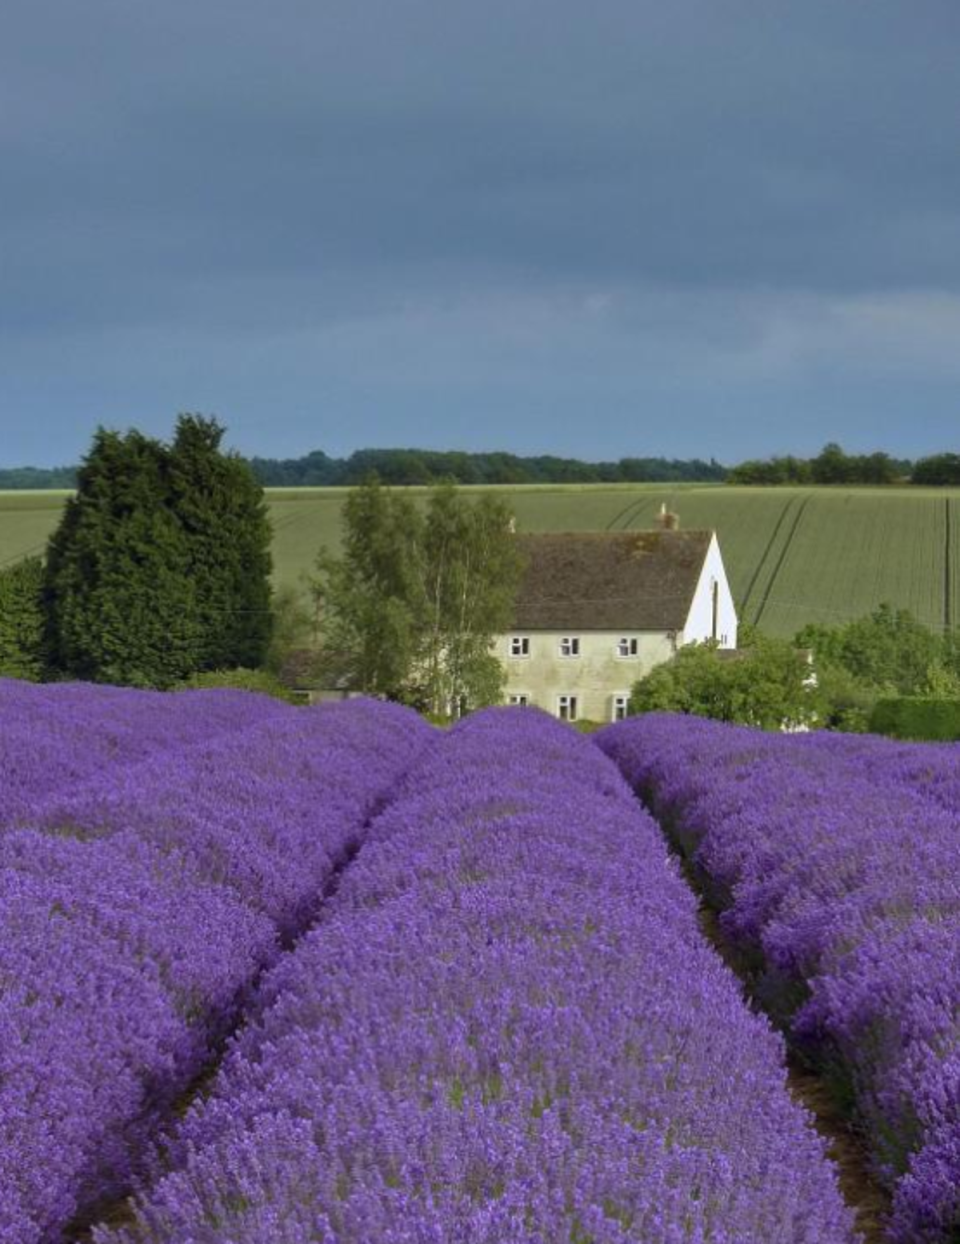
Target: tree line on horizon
x=427 y=466
x=400 y=467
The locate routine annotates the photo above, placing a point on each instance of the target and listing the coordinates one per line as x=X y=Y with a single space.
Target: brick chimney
x=666 y=519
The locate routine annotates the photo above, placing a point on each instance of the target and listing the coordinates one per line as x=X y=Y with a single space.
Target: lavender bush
x=134 y=914
x=838 y=860
x=505 y=1029
x=55 y=736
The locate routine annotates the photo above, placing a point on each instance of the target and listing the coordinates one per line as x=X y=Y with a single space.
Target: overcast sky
x=681 y=227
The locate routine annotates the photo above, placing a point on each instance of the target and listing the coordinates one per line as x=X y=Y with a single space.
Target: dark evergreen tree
x=119 y=599
x=160 y=566
x=21 y=620
x=222 y=511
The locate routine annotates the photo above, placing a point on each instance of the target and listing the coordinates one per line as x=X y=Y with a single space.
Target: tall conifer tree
x=160 y=565
x=120 y=603
x=221 y=508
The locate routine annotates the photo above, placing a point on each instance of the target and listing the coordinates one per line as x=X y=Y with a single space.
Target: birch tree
x=414 y=602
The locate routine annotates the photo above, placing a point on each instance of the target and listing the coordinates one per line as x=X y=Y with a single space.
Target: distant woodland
x=427 y=466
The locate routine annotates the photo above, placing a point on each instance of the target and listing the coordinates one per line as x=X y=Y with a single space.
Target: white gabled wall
x=699 y=624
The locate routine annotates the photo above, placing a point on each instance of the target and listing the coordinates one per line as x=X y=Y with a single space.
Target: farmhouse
x=598 y=610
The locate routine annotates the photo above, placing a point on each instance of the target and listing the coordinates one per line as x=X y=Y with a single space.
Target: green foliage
x=845 y=702
x=785 y=470
x=293 y=639
x=221 y=509
x=427 y=466
x=831 y=466
x=368 y=598
x=413 y=603
x=941 y=470
x=120 y=604
x=468 y=575
x=926 y=718
x=21 y=620
x=766 y=686
x=885 y=657
x=158 y=567
x=888 y=649
x=260 y=681
x=37 y=477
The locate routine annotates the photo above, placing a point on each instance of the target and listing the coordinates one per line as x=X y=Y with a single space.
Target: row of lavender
x=505 y=1027
x=54 y=737
x=141 y=897
x=838 y=861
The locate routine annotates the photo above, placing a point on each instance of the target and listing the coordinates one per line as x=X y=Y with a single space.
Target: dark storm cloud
x=438 y=207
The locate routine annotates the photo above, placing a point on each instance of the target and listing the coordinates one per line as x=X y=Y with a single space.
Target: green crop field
x=794 y=555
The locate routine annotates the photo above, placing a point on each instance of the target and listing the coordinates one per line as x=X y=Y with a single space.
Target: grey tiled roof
x=608 y=581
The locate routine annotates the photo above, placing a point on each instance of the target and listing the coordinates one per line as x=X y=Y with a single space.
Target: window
x=620 y=702
x=627 y=647
x=570 y=646
x=520 y=699
x=519 y=645
x=567 y=707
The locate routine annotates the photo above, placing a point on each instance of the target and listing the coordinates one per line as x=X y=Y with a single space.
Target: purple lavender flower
x=141 y=892
x=505 y=1027
x=838 y=860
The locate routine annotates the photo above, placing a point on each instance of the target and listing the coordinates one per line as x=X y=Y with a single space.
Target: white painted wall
x=699 y=624
x=594 y=677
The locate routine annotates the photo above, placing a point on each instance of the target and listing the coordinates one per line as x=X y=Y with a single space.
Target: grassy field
x=794 y=555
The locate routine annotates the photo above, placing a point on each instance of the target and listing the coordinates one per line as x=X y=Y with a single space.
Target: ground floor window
x=619 y=706
x=520 y=699
x=567 y=707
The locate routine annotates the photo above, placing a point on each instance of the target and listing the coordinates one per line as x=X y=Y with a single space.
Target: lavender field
x=272 y=974
x=837 y=863
x=150 y=869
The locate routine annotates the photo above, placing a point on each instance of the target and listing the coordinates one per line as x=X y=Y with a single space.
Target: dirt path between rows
x=861 y=1191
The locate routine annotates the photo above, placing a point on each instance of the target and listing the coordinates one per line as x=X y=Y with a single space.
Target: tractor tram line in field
x=624 y=519
x=778 y=566
x=765 y=555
